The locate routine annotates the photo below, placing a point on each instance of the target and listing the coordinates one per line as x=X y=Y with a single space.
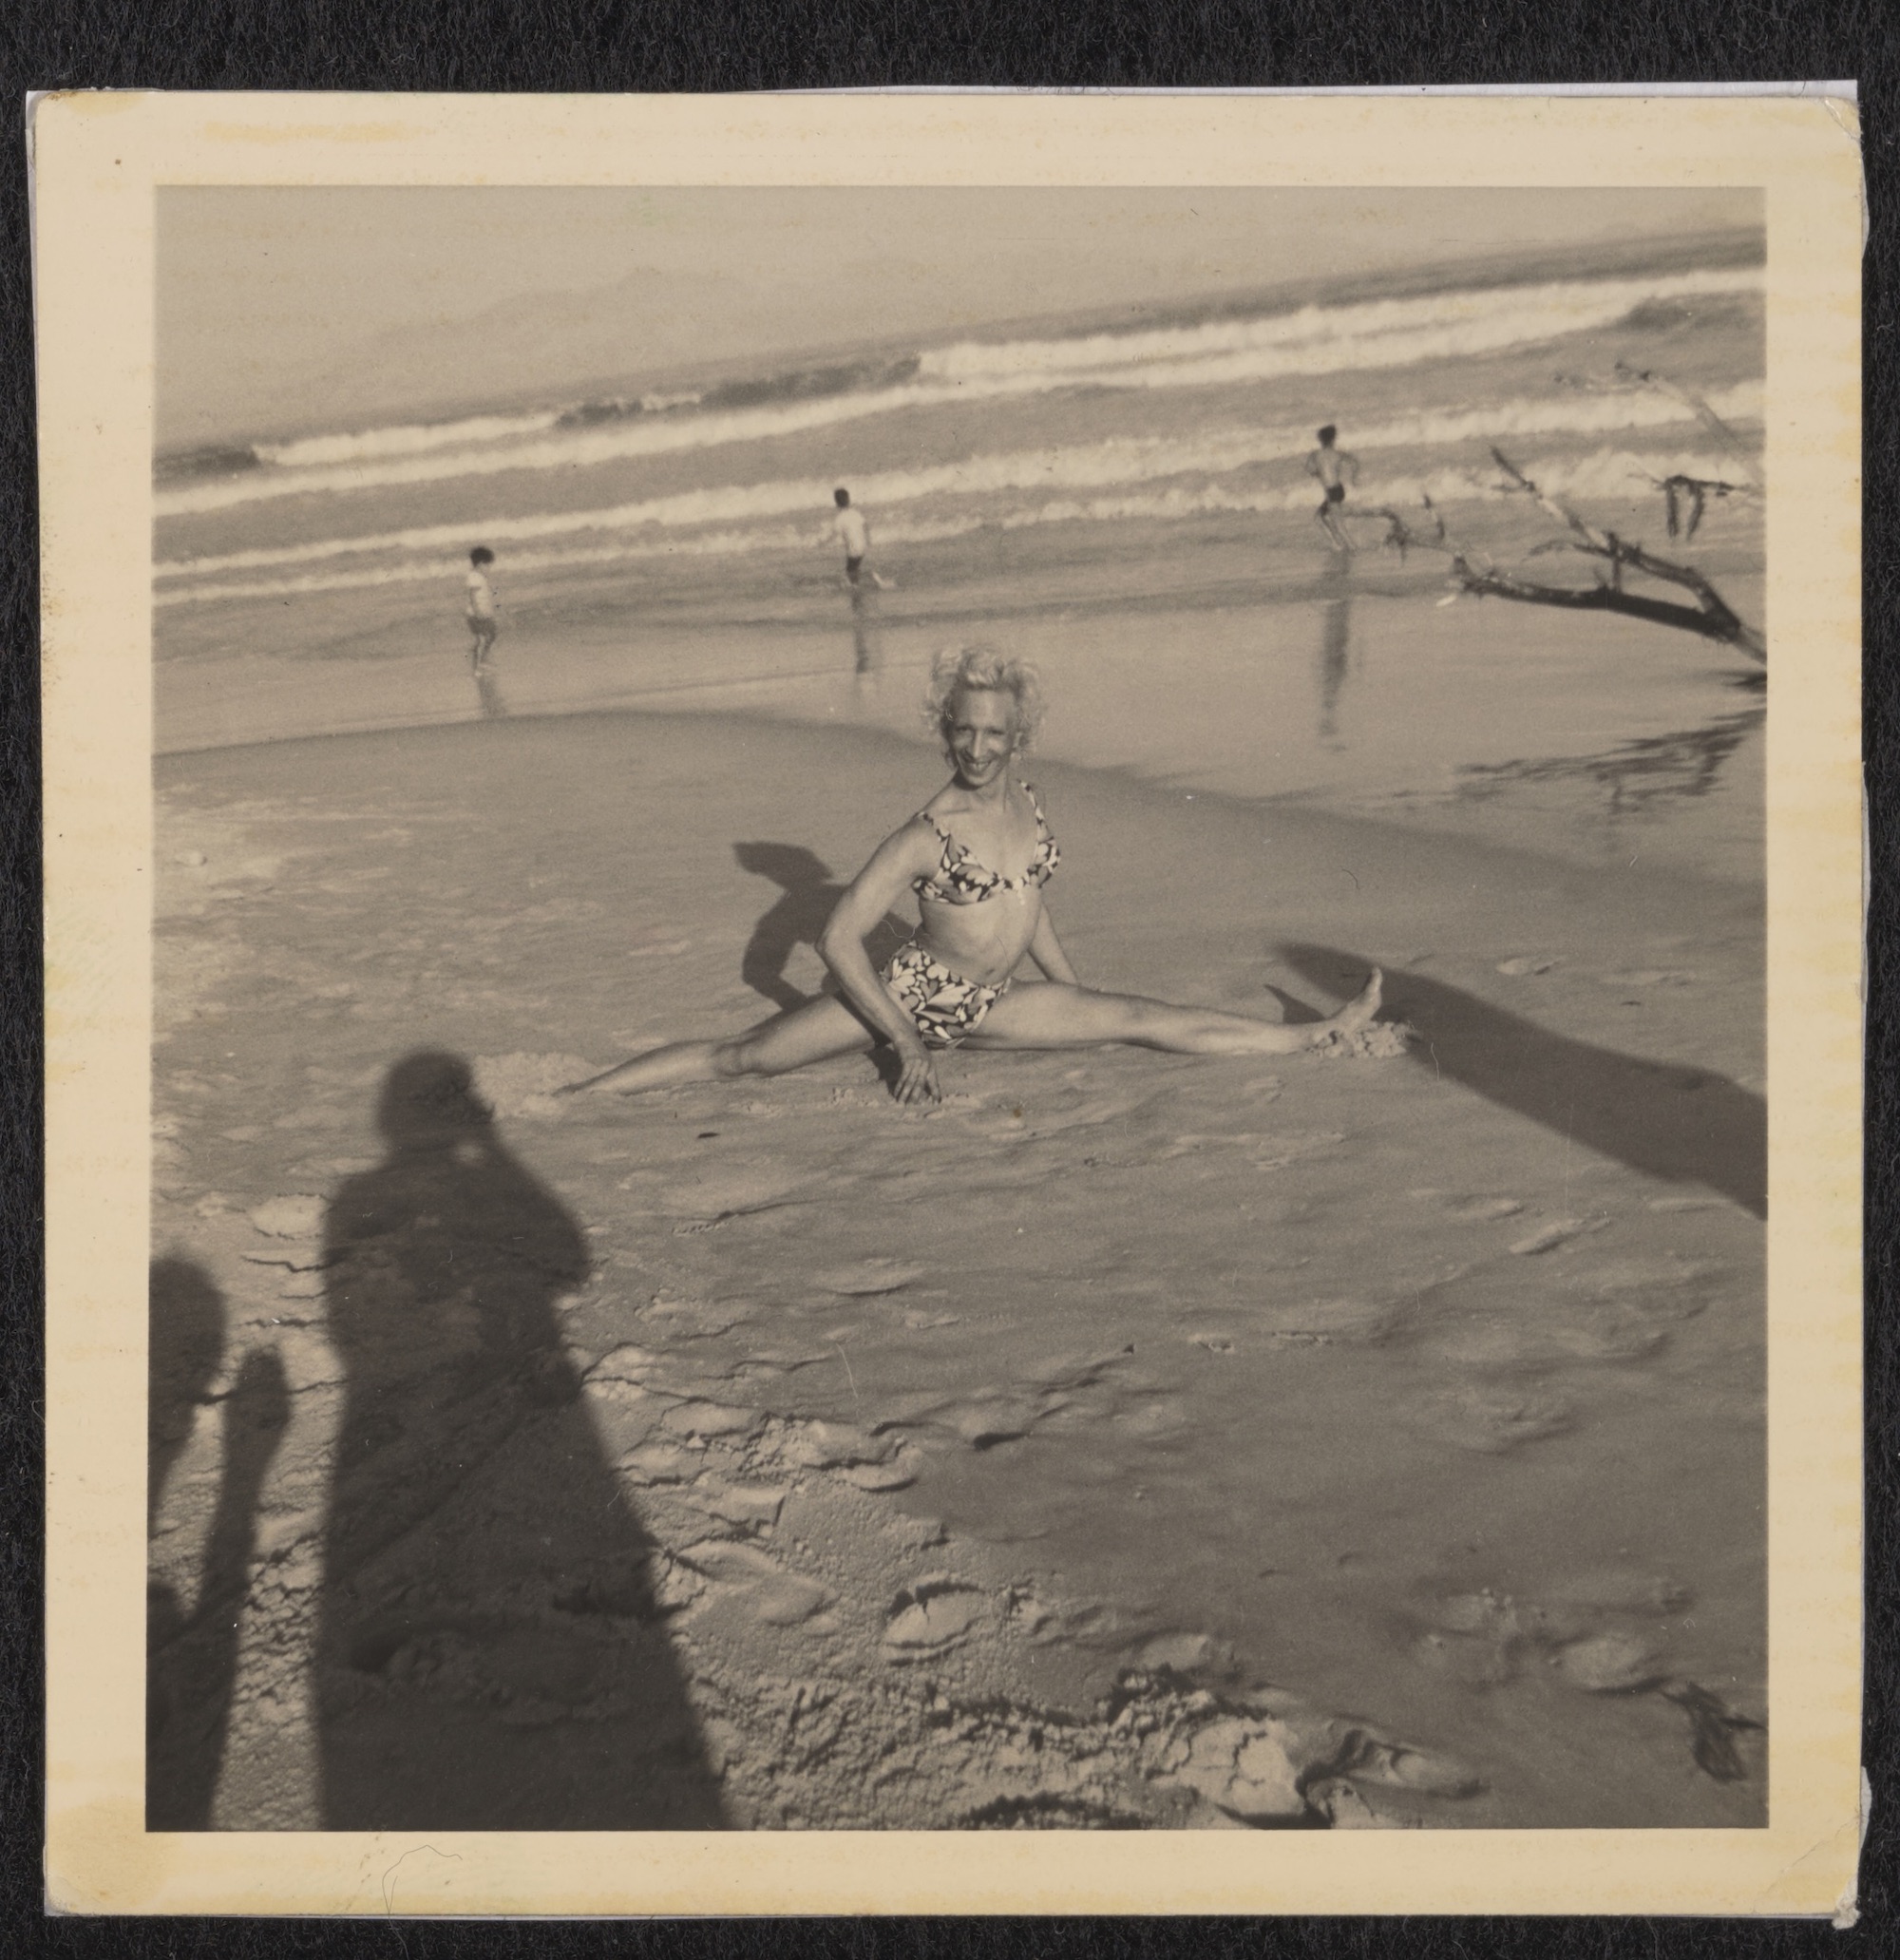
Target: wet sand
x=1133 y=1440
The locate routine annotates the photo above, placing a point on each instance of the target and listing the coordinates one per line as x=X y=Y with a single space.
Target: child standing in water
x=482 y=623
x=1335 y=468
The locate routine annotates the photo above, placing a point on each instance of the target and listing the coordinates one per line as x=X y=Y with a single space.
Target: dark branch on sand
x=1711 y=615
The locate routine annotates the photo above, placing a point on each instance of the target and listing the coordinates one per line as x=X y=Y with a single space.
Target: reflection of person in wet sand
x=473 y=1504
x=976 y=857
x=488 y=692
x=1336 y=642
x=865 y=658
x=1336 y=469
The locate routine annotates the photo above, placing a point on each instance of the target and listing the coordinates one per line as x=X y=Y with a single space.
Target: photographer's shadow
x=492 y=1653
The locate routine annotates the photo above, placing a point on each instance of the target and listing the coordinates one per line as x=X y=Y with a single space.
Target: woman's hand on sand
x=917 y=1075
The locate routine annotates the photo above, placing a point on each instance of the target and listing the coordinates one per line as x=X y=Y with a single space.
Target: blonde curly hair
x=984 y=669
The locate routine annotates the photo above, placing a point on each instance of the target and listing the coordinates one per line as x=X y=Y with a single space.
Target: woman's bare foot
x=1357 y=1012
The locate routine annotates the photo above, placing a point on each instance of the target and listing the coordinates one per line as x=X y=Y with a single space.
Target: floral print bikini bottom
x=945 y=1006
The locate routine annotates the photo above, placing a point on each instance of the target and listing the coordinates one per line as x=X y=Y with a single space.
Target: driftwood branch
x=1711 y=615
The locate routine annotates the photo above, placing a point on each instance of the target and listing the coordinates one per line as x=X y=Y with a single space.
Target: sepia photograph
x=959 y=1010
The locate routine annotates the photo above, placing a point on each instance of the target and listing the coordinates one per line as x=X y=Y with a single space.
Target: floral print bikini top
x=958 y=880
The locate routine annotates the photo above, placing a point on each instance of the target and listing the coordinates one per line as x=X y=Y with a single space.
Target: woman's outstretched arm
x=898 y=862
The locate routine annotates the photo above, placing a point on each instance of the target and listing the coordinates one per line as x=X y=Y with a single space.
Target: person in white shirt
x=853 y=534
x=483 y=623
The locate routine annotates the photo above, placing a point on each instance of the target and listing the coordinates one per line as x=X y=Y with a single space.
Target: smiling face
x=980 y=731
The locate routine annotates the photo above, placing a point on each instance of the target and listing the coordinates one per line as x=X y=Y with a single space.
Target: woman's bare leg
x=816 y=1031
x=1061 y=1016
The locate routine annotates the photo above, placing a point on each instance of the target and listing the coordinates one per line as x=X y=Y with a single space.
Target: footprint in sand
x=832 y=1445
x=757 y=1584
x=1526 y=964
x=1431 y=1775
x=1608 y=1335
x=1492 y=1421
x=1547 y=1238
x=659 y=1463
x=931 y=1615
x=1478 y=1210
x=1321 y=1321
x=1609 y=1664
x=868 y=1278
x=1155 y=1420
x=1185 y=1653
x=752 y=1505
x=710 y=1420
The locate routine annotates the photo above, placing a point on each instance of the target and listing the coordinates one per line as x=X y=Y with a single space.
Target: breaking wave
x=1309 y=340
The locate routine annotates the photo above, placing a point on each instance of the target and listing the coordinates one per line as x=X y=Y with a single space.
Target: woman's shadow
x=807 y=894
x=492 y=1654
x=1683 y=1125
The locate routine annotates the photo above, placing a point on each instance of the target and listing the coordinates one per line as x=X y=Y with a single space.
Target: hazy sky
x=281 y=310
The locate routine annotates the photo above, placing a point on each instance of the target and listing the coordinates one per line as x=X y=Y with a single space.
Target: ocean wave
x=1095 y=466
x=1603 y=472
x=409 y=439
x=1453 y=322
x=1311 y=341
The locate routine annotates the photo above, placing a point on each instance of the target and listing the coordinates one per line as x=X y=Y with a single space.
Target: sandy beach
x=1316 y=1410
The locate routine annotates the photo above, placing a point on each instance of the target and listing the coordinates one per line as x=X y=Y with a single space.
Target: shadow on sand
x=191 y=1667
x=809 y=892
x=491 y=1655
x=1686 y=1125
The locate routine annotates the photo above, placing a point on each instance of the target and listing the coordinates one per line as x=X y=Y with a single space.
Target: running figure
x=847 y=523
x=482 y=623
x=1335 y=468
x=976 y=857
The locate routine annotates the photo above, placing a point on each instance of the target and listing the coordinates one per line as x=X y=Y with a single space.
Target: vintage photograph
x=959 y=1010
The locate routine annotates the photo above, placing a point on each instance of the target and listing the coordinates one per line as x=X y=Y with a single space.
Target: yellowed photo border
x=98 y=160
